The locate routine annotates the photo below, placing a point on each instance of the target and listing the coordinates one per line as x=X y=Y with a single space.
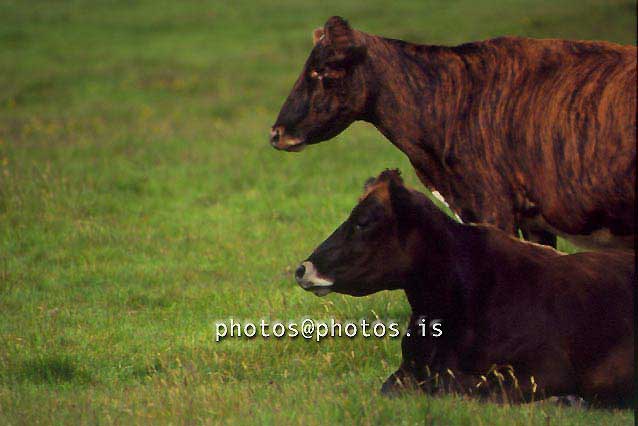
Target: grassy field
x=140 y=202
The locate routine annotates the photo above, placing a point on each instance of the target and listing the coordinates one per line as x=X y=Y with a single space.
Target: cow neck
x=443 y=279
x=416 y=91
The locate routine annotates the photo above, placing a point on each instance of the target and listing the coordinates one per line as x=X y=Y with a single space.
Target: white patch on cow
x=311 y=277
x=440 y=197
x=518 y=240
x=543 y=246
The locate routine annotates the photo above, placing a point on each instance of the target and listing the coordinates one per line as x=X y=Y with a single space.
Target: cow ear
x=338 y=33
x=317 y=35
x=342 y=39
x=369 y=182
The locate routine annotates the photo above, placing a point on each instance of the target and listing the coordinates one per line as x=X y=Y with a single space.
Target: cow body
x=537 y=135
x=565 y=320
x=560 y=324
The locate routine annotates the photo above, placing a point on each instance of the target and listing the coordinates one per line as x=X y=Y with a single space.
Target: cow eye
x=362 y=223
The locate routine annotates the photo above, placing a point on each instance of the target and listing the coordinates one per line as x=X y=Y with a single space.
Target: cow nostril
x=300 y=272
x=274 y=135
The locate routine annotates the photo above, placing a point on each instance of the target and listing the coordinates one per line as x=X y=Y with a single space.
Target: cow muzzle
x=280 y=140
x=309 y=279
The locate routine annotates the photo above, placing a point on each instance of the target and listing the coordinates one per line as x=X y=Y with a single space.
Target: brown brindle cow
x=537 y=135
x=565 y=320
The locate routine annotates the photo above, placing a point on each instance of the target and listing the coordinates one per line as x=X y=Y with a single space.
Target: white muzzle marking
x=312 y=281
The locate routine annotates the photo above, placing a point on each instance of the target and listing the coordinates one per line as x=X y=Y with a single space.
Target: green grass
x=140 y=202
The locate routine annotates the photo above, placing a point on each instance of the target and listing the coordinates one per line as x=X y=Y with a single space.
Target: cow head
x=330 y=92
x=375 y=248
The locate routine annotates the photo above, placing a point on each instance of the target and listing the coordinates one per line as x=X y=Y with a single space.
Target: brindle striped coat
x=537 y=135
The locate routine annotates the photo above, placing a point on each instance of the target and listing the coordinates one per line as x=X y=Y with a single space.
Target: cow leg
x=572 y=401
x=401 y=381
x=425 y=367
x=531 y=225
x=407 y=379
x=539 y=236
x=413 y=374
x=611 y=383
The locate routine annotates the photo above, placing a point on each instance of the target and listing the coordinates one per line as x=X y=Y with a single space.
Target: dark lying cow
x=565 y=320
x=519 y=133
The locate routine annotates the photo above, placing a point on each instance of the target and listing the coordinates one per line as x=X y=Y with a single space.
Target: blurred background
x=140 y=201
